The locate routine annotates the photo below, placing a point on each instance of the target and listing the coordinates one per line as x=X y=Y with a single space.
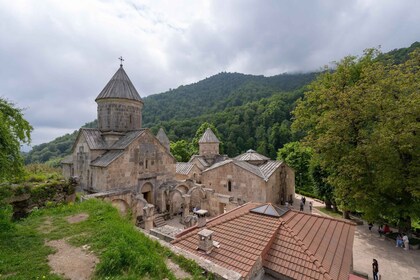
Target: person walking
x=310 y=206
x=406 y=242
x=301 y=206
x=375 y=269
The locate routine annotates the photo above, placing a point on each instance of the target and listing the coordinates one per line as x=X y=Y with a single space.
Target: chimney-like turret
x=208 y=144
x=205 y=241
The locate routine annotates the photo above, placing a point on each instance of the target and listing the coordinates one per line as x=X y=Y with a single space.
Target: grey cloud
x=57 y=57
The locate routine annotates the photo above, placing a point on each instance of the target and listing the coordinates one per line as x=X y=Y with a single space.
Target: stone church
x=126 y=164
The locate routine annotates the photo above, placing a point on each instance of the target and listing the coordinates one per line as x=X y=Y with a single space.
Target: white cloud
x=58 y=55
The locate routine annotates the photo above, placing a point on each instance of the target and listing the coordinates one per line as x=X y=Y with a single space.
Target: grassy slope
x=124 y=252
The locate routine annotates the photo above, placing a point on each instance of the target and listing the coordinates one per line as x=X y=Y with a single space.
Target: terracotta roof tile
x=296 y=245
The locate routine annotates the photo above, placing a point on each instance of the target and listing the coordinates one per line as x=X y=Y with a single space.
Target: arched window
x=230 y=186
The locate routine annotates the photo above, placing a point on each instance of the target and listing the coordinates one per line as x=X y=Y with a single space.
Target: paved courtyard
x=394 y=263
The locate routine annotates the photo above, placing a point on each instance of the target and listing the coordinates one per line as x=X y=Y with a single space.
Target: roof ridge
x=238 y=162
x=326 y=217
x=89 y=128
x=306 y=250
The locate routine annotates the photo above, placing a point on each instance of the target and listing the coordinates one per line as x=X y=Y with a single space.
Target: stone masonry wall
x=244 y=185
x=119 y=115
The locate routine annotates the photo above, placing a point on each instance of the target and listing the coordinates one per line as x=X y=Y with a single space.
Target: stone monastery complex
x=136 y=168
x=252 y=235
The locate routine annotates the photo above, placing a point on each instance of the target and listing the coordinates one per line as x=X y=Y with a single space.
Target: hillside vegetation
x=123 y=252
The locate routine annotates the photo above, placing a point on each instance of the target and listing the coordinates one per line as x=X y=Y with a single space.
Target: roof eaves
x=217 y=165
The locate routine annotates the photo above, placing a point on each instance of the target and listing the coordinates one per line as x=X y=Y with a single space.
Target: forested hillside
x=249 y=111
x=215 y=94
x=226 y=99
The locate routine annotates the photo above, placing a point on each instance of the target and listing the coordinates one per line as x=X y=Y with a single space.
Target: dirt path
x=77 y=218
x=72 y=262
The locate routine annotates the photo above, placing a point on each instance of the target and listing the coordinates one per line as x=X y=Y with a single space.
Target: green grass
x=124 y=252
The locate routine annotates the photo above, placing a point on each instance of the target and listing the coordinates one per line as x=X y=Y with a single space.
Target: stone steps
x=159 y=222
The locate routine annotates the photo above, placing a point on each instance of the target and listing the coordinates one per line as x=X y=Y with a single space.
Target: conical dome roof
x=251 y=155
x=119 y=86
x=208 y=137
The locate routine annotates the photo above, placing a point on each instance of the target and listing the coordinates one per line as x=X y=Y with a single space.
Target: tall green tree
x=298 y=157
x=14 y=131
x=320 y=183
x=362 y=120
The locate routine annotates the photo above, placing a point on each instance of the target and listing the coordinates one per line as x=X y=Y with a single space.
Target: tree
x=14 y=131
x=321 y=186
x=298 y=157
x=181 y=150
x=362 y=121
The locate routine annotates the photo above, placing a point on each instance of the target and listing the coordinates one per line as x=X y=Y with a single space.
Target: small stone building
x=247 y=177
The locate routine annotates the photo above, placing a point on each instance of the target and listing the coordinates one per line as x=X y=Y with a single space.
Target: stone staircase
x=159 y=221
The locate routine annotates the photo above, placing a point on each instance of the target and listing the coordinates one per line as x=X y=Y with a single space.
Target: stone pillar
x=187 y=201
x=162 y=201
x=148 y=215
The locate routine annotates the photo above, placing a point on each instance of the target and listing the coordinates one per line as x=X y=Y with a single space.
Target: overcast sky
x=58 y=55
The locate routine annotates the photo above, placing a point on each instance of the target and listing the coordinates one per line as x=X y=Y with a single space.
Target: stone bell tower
x=119 y=106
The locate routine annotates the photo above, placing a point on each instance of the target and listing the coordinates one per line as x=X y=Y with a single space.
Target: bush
x=309 y=194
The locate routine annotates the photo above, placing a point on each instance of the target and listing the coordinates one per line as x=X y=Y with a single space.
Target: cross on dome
x=121 y=59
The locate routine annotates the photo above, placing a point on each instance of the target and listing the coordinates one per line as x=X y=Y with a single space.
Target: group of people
x=303 y=202
x=402 y=241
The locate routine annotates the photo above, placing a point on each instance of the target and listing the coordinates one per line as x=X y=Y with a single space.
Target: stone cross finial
x=121 y=59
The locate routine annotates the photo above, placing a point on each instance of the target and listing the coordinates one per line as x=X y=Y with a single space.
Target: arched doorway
x=182 y=188
x=147 y=191
x=197 y=196
x=121 y=205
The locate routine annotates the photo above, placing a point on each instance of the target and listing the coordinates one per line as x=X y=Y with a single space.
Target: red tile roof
x=296 y=245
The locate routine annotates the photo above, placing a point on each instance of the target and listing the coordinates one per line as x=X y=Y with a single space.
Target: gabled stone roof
x=200 y=159
x=107 y=158
x=264 y=171
x=208 y=137
x=93 y=138
x=126 y=140
x=251 y=155
x=184 y=167
x=162 y=137
x=120 y=87
x=295 y=245
x=67 y=160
